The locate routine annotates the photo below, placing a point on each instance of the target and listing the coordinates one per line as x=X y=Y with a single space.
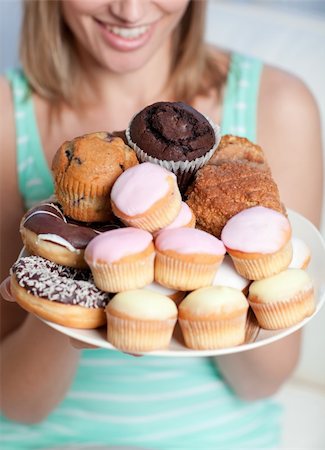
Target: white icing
x=228 y=276
x=300 y=253
x=281 y=287
x=143 y=304
x=57 y=240
x=213 y=300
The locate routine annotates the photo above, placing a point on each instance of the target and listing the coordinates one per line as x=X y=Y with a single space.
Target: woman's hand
x=5 y=291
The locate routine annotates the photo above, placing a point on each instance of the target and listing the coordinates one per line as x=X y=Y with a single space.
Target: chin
x=123 y=63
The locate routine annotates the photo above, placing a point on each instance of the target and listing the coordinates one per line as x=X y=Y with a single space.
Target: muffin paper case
x=284 y=314
x=184 y=170
x=213 y=334
x=139 y=335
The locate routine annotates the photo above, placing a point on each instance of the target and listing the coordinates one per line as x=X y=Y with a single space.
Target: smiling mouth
x=125 y=32
x=129 y=33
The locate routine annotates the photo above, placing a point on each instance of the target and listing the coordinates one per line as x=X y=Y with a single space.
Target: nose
x=130 y=11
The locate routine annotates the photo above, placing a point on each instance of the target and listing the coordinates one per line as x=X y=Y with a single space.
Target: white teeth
x=129 y=33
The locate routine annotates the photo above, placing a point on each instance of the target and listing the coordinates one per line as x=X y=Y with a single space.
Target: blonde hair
x=50 y=62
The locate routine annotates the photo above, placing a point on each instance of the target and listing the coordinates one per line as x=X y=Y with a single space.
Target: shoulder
x=5 y=94
x=7 y=128
x=6 y=112
x=289 y=131
x=285 y=98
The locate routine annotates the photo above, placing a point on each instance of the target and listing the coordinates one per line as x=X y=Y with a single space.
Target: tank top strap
x=241 y=95
x=34 y=177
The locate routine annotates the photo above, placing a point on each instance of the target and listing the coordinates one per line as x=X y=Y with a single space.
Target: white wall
x=10 y=17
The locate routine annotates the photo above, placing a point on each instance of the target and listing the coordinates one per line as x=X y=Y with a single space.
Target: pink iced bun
x=121 y=259
x=185 y=218
x=187 y=258
x=146 y=198
x=258 y=240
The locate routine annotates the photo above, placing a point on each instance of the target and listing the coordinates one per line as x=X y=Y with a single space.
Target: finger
x=5 y=291
x=80 y=345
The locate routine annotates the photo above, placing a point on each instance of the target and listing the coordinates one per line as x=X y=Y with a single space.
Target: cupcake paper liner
x=284 y=314
x=82 y=201
x=263 y=266
x=213 y=334
x=134 y=335
x=123 y=276
x=184 y=170
x=181 y=275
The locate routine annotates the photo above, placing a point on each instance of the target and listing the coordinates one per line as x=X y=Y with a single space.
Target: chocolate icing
x=54 y=282
x=48 y=219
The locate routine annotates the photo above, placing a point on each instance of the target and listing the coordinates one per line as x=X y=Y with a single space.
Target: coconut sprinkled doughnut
x=48 y=233
x=57 y=293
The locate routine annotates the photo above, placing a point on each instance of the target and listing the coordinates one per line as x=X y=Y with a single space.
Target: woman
x=91 y=66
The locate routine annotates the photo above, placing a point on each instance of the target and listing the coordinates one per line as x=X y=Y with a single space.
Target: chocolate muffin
x=172 y=131
x=174 y=135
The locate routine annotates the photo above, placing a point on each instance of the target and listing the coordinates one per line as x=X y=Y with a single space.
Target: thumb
x=5 y=291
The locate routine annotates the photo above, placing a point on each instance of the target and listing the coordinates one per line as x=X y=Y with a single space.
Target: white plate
x=256 y=337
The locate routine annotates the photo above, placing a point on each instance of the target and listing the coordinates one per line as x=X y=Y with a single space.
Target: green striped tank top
x=149 y=402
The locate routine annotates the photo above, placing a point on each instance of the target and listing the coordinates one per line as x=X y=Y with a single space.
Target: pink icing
x=189 y=240
x=113 y=245
x=257 y=229
x=184 y=217
x=139 y=187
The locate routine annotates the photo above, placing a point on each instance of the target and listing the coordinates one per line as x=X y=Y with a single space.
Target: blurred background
x=289 y=34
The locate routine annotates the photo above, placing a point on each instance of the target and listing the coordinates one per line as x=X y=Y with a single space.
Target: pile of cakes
x=119 y=246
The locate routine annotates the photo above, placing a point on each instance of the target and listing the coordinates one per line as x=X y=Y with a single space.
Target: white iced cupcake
x=301 y=254
x=228 y=276
x=213 y=317
x=140 y=321
x=282 y=300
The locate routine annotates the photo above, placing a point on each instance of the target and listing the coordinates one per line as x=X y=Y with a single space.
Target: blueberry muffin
x=85 y=170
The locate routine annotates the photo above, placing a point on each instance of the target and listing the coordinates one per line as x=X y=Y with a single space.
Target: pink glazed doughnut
x=258 y=239
x=146 y=196
x=121 y=259
x=187 y=258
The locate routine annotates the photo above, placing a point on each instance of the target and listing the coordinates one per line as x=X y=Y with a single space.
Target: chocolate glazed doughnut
x=60 y=294
x=46 y=232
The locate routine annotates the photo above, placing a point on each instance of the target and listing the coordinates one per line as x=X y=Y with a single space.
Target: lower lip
x=122 y=44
